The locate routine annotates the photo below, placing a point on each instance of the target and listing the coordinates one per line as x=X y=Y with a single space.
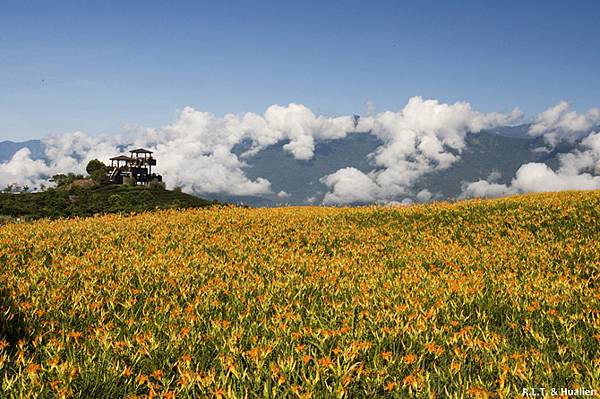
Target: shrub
x=95 y=165
x=97 y=171
x=156 y=185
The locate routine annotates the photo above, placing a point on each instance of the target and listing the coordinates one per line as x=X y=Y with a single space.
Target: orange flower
x=186 y=359
x=296 y=389
x=157 y=374
x=325 y=362
x=219 y=393
x=127 y=372
x=454 y=366
x=409 y=359
x=169 y=395
x=479 y=393
x=410 y=380
x=33 y=368
x=141 y=379
x=75 y=335
x=231 y=368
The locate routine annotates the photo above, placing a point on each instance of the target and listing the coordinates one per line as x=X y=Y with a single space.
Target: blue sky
x=67 y=66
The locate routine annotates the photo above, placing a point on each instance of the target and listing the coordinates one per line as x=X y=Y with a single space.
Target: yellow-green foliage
x=474 y=299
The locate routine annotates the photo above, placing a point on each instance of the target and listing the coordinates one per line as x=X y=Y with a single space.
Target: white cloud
x=424 y=136
x=22 y=170
x=538 y=177
x=424 y=195
x=485 y=189
x=494 y=175
x=349 y=185
x=370 y=108
x=195 y=152
x=311 y=200
x=298 y=124
x=283 y=194
x=533 y=177
x=573 y=174
x=560 y=123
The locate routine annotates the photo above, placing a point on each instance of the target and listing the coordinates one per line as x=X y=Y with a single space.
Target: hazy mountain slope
x=500 y=151
x=300 y=179
x=8 y=149
x=519 y=131
x=485 y=154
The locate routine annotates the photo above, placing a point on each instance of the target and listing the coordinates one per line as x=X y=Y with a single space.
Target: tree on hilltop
x=97 y=171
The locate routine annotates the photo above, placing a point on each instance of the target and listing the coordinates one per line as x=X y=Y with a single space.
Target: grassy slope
x=90 y=201
x=473 y=299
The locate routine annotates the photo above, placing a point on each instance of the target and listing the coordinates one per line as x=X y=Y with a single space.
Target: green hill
x=87 y=201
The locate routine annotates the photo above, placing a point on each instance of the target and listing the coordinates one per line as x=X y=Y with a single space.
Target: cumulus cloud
x=534 y=177
x=574 y=173
x=22 y=170
x=349 y=185
x=424 y=136
x=561 y=123
x=301 y=127
x=194 y=152
x=64 y=153
x=494 y=176
x=485 y=189
x=424 y=195
x=538 y=177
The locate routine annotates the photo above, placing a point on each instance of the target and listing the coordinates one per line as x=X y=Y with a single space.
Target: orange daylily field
x=479 y=298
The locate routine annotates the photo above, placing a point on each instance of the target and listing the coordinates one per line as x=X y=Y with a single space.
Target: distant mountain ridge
x=497 y=152
x=9 y=148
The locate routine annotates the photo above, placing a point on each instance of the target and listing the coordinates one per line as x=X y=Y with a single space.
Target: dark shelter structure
x=134 y=169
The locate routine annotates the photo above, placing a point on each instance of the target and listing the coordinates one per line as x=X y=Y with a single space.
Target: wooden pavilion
x=133 y=169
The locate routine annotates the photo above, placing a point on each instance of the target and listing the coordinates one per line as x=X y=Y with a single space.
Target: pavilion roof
x=141 y=151
x=121 y=158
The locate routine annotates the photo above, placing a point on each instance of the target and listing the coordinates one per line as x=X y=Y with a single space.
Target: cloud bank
x=560 y=123
x=423 y=137
x=577 y=168
x=196 y=151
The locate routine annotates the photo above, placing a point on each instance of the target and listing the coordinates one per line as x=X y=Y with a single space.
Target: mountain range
x=494 y=155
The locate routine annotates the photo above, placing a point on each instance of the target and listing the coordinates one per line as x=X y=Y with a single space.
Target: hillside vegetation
x=86 y=200
x=474 y=299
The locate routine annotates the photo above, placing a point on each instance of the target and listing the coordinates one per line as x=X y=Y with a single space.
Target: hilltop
x=87 y=199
